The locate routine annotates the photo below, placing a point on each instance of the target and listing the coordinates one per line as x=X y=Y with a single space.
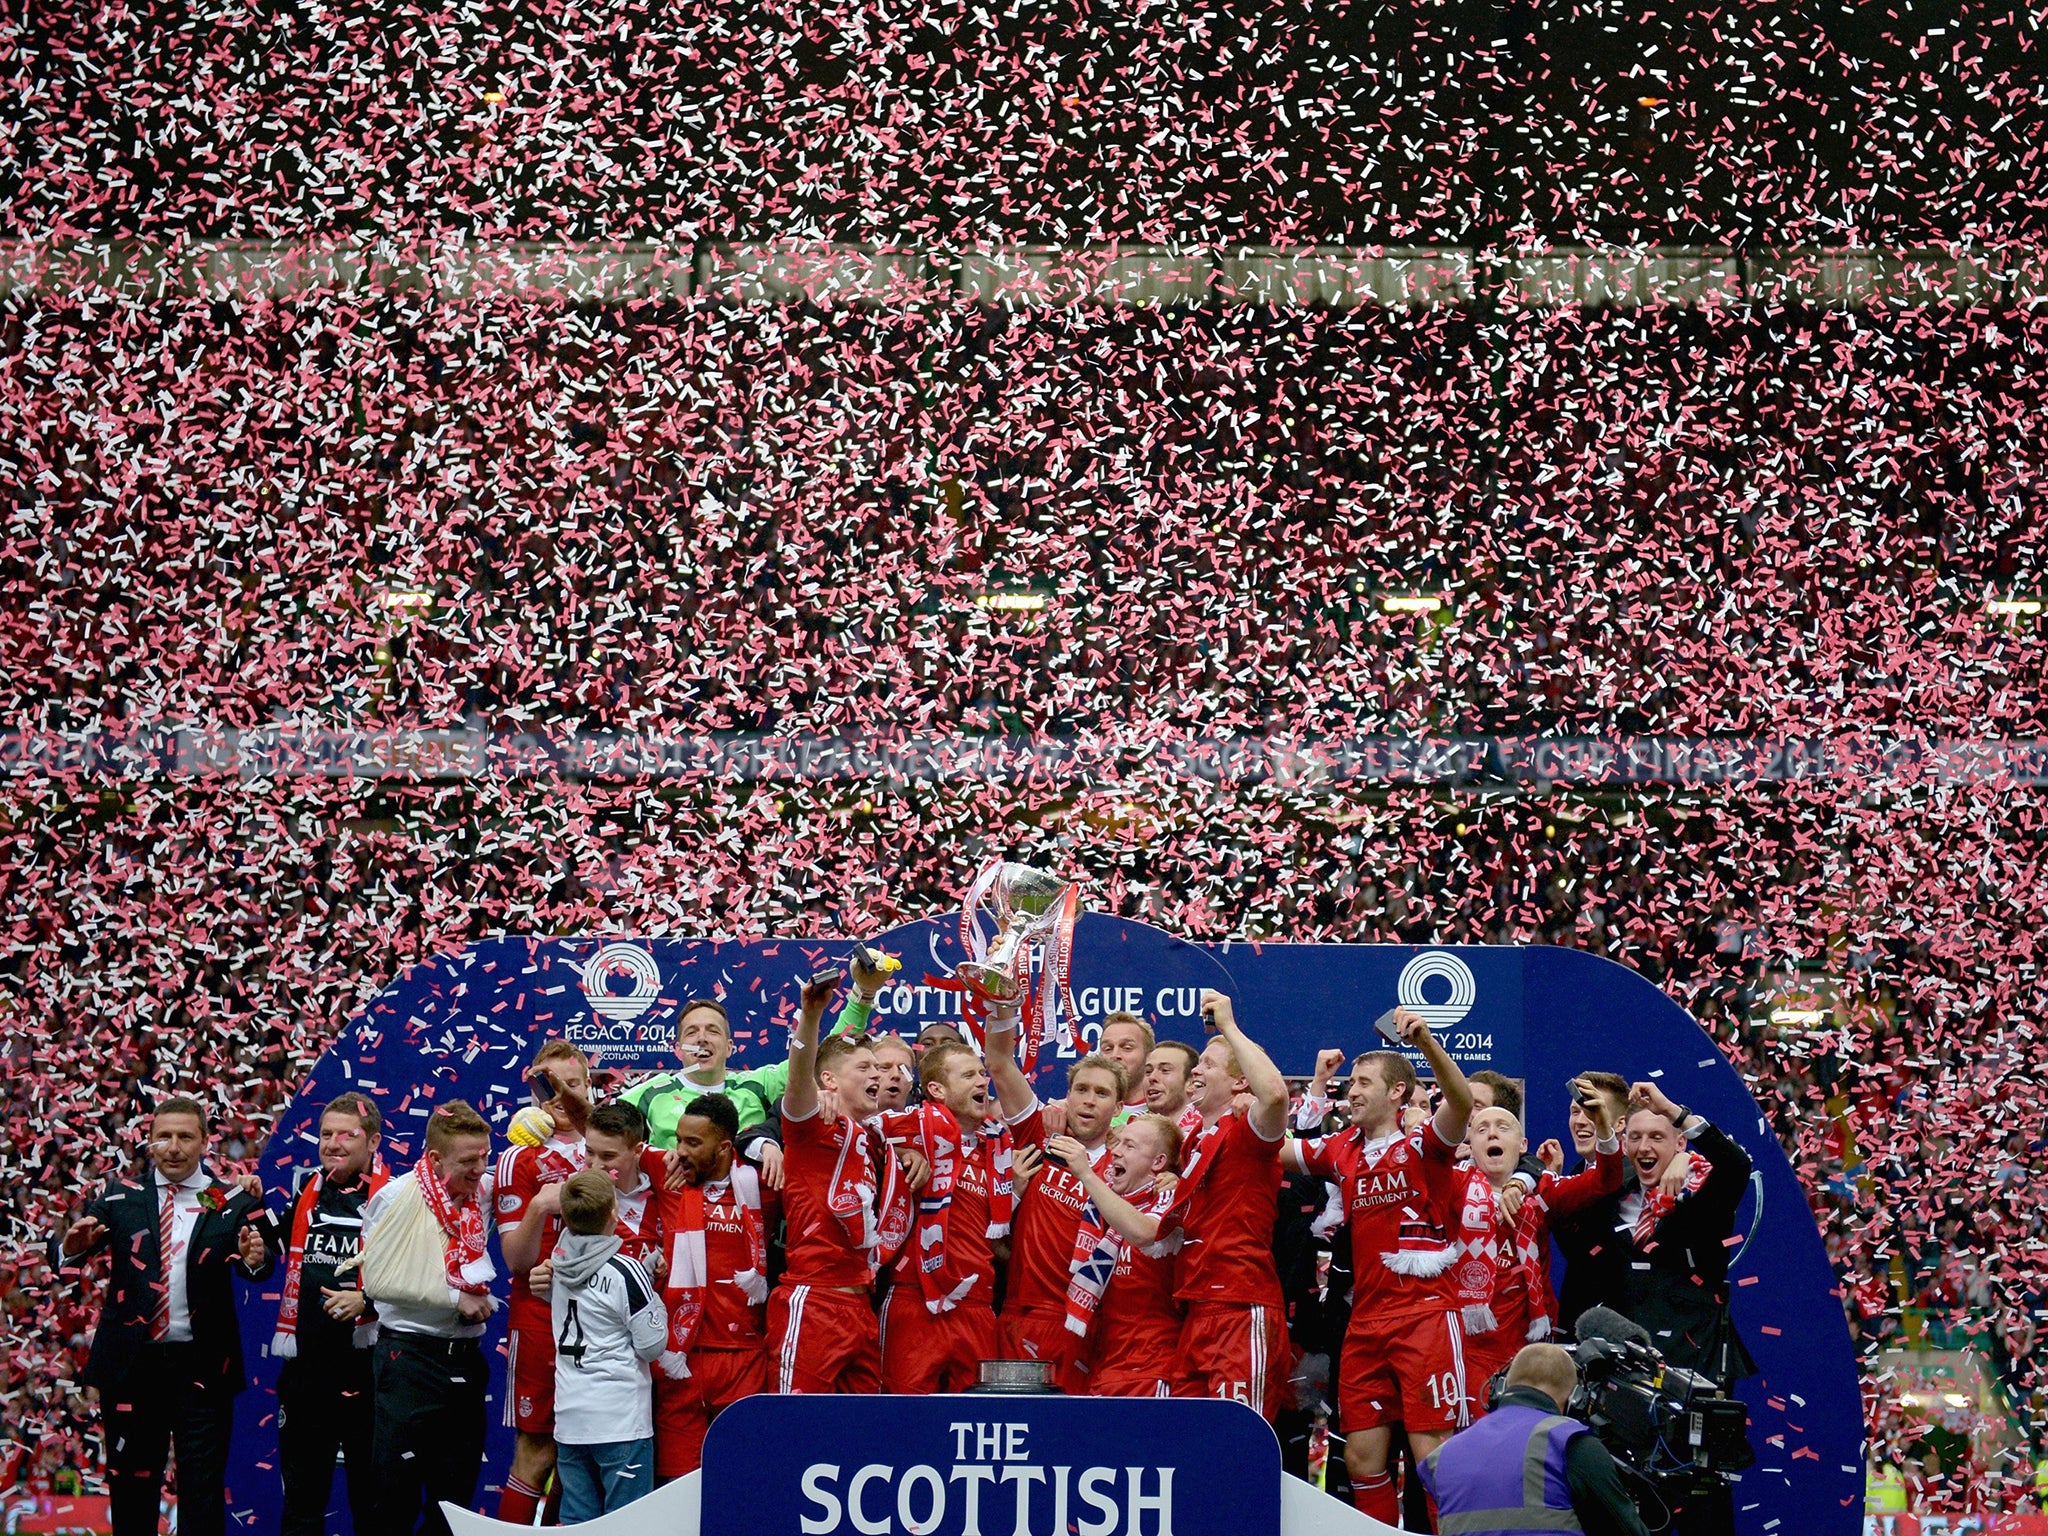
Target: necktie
x=166 y=1230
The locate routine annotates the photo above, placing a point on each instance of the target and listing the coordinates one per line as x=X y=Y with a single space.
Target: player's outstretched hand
x=818 y=992
x=1671 y=1183
x=1069 y=1152
x=1217 y=1010
x=1329 y=1062
x=917 y=1171
x=1406 y=1027
x=1511 y=1203
x=1650 y=1096
x=869 y=968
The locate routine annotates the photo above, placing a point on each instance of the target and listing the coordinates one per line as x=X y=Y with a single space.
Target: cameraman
x=1486 y=1479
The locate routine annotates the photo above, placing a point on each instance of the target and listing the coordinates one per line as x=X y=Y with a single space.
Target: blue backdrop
x=464 y=1025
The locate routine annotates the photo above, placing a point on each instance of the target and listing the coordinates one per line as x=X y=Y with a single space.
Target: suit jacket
x=1593 y=1258
x=1678 y=1287
x=129 y=1209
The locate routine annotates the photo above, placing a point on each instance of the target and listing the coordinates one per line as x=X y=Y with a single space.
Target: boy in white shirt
x=609 y=1323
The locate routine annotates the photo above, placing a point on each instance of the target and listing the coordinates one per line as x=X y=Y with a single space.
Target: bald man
x=1478 y=1479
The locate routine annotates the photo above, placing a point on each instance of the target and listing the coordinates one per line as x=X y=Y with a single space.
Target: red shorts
x=923 y=1352
x=1235 y=1351
x=530 y=1380
x=683 y=1410
x=1038 y=1334
x=822 y=1340
x=1486 y=1353
x=1128 y=1384
x=1403 y=1370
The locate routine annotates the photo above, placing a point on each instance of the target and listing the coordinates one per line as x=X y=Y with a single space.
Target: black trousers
x=428 y=1444
x=157 y=1408
x=324 y=1406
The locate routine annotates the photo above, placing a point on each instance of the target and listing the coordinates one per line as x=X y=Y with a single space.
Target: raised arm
x=521 y=1242
x=800 y=1093
x=85 y=1236
x=1014 y=1095
x=1603 y=1174
x=1133 y=1224
x=1268 y=1086
x=1456 y=1108
x=1728 y=1166
x=772 y=1081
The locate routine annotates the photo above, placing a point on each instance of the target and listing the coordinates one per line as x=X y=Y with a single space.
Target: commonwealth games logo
x=621 y=982
x=1428 y=966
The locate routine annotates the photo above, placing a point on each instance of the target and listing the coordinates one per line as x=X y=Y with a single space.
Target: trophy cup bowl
x=1022 y=897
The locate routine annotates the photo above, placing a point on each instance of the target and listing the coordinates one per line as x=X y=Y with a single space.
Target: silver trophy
x=1026 y=903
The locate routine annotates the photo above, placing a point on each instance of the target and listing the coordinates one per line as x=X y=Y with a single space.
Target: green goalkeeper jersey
x=756 y=1092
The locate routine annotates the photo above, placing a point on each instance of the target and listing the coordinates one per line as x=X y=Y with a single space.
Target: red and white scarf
x=1657 y=1205
x=462 y=1223
x=689 y=1279
x=867 y=1195
x=935 y=1131
x=1498 y=1275
x=1420 y=1248
x=1097 y=1247
x=284 y=1344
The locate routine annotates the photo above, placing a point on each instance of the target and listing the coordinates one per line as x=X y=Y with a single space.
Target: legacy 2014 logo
x=1428 y=966
x=608 y=974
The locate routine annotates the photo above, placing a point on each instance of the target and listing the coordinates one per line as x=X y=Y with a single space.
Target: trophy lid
x=1027 y=889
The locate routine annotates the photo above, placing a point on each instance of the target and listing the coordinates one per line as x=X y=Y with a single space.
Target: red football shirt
x=730 y=1320
x=820 y=1250
x=1396 y=1181
x=522 y=1173
x=966 y=1231
x=1227 y=1220
x=1042 y=1232
x=639 y=1223
x=1137 y=1325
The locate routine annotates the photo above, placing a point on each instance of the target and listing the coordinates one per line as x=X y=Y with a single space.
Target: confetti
x=404 y=485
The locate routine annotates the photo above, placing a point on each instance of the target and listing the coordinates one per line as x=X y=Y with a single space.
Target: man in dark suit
x=1670 y=1247
x=1585 y=1238
x=167 y=1355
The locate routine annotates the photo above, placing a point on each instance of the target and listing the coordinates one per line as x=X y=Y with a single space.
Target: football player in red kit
x=1120 y=1299
x=848 y=1211
x=939 y=1317
x=615 y=1143
x=529 y=1187
x=1233 y=1342
x=1403 y=1358
x=1034 y=1317
x=714 y=1283
x=1502 y=1274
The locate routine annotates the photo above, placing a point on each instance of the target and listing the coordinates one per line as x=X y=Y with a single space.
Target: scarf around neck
x=689 y=1278
x=935 y=1131
x=284 y=1344
x=1657 y=1205
x=462 y=1223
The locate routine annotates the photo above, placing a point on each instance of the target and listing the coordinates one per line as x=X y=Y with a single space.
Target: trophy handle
x=996 y=975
